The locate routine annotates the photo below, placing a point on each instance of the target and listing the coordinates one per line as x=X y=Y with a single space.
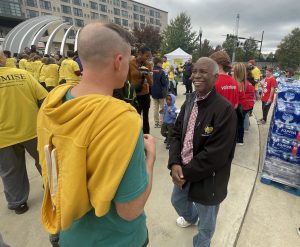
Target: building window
x=136 y=8
x=66 y=9
x=151 y=21
x=44 y=13
x=157 y=22
x=136 y=25
x=124 y=5
x=32 y=13
x=124 y=13
x=103 y=17
x=103 y=8
x=77 y=2
x=116 y=11
x=117 y=21
x=66 y=1
x=10 y=9
x=142 y=25
x=142 y=18
x=93 y=5
x=45 y=5
x=68 y=19
x=77 y=12
x=157 y=14
x=31 y=3
x=103 y=1
x=142 y=10
x=136 y=16
x=79 y=23
x=151 y=12
x=94 y=16
x=124 y=23
x=116 y=2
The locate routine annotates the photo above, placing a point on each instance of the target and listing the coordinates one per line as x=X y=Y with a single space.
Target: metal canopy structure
x=32 y=30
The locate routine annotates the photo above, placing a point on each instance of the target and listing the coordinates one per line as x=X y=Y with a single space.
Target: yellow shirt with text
x=19 y=94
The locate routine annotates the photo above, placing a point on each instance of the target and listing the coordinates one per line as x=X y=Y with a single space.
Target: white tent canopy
x=178 y=56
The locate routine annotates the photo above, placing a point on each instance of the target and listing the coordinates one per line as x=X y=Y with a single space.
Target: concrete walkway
x=253 y=214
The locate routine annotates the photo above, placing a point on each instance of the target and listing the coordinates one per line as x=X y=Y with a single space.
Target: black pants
x=143 y=108
x=241 y=120
x=265 y=110
x=166 y=131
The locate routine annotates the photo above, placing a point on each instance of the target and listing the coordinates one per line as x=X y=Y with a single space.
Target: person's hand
x=161 y=111
x=269 y=101
x=150 y=150
x=177 y=175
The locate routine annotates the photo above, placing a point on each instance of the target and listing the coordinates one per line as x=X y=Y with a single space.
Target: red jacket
x=246 y=99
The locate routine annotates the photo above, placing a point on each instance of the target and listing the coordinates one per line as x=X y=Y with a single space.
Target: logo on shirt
x=208 y=130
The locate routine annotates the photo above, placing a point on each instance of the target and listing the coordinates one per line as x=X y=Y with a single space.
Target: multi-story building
x=127 y=13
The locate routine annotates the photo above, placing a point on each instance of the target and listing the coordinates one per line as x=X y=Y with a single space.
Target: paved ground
x=253 y=214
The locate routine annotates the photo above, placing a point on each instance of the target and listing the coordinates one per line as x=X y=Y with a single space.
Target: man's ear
x=118 y=61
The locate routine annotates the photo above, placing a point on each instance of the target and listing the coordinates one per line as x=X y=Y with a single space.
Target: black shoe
x=166 y=140
x=168 y=146
x=21 y=209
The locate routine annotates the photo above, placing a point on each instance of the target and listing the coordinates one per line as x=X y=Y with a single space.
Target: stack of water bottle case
x=282 y=158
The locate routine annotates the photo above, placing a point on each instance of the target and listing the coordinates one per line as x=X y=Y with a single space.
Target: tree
x=250 y=49
x=148 y=36
x=206 y=49
x=179 y=34
x=239 y=54
x=288 y=52
x=228 y=45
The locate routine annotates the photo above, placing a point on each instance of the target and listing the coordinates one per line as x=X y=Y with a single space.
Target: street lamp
x=200 y=37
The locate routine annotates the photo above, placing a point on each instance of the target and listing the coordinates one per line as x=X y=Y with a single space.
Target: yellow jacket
x=91 y=139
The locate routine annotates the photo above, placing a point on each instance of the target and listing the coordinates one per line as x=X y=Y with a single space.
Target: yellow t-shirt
x=36 y=67
x=51 y=75
x=42 y=73
x=11 y=62
x=29 y=67
x=19 y=94
x=22 y=63
x=166 y=66
x=256 y=73
x=67 y=69
x=171 y=76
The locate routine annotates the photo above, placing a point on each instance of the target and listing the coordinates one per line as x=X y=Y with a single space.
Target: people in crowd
x=21 y=96
x=23 y=61
x=246 y=98
x=256 y=74
x=225 y=84
x=201 y=152
x=172 y=81
x=267 y=97
x=158 y=91
x=36 y=66
x=10 y=61
x=169 y=117
x=104 y=162
x=166 y=65
x=69 y=71
x=77 y=60
x=51 y=74
x=187 y=72
x=140 y=77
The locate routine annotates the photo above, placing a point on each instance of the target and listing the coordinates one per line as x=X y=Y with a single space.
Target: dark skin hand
x=177 y=175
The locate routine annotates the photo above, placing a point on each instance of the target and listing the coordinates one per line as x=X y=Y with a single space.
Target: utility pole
x=261 y=41
x=200 y=37
x=236 y=36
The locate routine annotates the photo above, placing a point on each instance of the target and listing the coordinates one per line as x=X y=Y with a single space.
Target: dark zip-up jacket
x=213 y=147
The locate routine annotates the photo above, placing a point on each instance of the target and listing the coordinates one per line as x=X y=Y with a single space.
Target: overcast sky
x=218 y=17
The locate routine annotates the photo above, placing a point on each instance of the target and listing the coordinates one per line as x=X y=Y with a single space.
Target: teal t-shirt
x=111 y=230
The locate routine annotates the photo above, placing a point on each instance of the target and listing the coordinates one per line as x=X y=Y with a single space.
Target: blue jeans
x=191 y=211
x=247 y=121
